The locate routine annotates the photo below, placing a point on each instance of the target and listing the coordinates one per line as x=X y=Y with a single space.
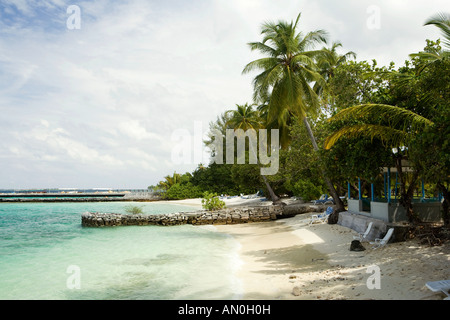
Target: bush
x=212 y=202
x=133 y=209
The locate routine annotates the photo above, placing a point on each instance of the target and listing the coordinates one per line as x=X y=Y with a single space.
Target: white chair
x=440 y=286
x=362 y=236
x=321 y=218
x=382 y=242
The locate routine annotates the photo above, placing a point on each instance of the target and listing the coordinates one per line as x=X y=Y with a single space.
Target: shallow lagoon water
x=46 y=254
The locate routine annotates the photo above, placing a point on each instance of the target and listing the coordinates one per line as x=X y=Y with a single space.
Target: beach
x=289 y=259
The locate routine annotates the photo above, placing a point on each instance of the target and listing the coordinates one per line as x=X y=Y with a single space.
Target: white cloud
x=136 y=131
x=58 y=144
x=111 y=94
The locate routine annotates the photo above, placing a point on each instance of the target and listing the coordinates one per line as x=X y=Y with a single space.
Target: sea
x=45 y=254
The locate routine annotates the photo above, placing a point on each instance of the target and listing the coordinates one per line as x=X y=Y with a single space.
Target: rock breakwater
x=225 y=216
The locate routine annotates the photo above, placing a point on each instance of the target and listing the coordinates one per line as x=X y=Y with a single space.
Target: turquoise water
x=46 y=254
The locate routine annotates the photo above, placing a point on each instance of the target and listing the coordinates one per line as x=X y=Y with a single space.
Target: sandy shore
x=290 y=259
x=287 y=259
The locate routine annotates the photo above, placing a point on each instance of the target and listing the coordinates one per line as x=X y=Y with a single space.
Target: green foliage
x=430 y=148
x=356 y=82
x=307 y=190
x=215 y=178
x=133 y=209
x=180 y=187
x=212 y=202
x=181 y=191
x=404 y=111
x=300 y=161
x=247 y=177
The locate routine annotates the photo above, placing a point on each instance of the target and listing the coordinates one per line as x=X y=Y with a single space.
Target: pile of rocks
x=98 y=219
x=238 y=215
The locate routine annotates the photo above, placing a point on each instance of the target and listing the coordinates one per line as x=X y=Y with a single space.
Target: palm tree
x=219 y=126
x=244 y=117
x=328 y=61
x=169 y=181
x=287 y=72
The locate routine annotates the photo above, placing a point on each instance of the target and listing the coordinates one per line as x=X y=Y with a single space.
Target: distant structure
x=73 y=194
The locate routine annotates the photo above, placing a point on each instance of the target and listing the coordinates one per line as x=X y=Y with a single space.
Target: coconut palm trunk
x=275 y=199
x=331 y=188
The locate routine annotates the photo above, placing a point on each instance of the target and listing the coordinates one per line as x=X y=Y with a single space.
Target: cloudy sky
x=101 y=97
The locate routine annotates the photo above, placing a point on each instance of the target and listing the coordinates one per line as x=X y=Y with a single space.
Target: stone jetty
x=224 y=216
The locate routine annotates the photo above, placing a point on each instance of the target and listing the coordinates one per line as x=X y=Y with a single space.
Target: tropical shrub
x=212 y=202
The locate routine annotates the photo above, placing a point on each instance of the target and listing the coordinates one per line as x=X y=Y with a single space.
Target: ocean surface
x=45 y=253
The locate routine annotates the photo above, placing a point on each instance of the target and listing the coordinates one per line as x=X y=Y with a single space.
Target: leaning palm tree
x=288 y=69
x=245 y=118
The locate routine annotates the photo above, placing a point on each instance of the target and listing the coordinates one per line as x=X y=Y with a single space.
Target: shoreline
x=287 y=260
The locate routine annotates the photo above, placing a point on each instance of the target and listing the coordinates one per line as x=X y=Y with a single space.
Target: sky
x=117 y=94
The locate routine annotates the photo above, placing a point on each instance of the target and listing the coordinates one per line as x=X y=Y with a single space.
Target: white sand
x=232 y=202
x=287 y=259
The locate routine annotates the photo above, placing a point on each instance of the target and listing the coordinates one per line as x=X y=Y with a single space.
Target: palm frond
x=393 y=116
x=426 y=56
x=346 y=57
x=312 y=38
x=263 y=48
x=442 y=21
x=305 y=60
x=262 y=64
x=390 y=136
x=265 y=80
